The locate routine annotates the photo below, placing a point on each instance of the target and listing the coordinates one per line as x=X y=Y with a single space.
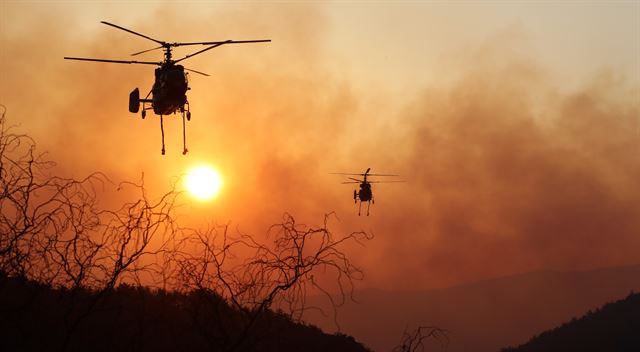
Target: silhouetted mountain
x=614 y=327
x=482 y=316
x=36 y=317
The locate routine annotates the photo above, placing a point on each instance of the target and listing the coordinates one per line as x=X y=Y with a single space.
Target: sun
x=203 y=182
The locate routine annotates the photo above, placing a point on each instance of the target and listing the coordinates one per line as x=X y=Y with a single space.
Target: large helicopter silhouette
x=169 y=91
x=364 y=194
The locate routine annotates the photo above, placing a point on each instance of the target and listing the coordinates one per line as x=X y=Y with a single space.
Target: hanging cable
x=184 y=136
x=162 y=130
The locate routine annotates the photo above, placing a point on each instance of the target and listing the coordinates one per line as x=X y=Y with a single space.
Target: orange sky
x=516 y=125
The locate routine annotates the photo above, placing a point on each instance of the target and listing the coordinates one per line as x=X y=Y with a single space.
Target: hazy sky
x=516 y=124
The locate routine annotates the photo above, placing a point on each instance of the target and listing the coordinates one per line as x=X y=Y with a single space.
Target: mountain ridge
x=485 y=315
x=506 y=277
x=612 y=327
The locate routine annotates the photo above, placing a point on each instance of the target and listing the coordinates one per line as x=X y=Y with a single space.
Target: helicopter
x=168 y=95
x=364 y=194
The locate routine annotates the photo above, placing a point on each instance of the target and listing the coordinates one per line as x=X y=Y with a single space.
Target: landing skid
x=368 y=206
x=186 y=115
x=147 y=104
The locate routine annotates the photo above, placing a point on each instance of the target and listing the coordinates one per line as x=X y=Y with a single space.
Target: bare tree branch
x=414 y=341
x=54 y=231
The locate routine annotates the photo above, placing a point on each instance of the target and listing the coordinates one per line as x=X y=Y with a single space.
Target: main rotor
x=365 y=175
x=167 y=46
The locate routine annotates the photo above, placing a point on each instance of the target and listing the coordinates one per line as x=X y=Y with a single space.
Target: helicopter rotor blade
x=144 y=51
x=222 y=42
x=386 y=181
x=114 y=61
x=347 y=182
x=354 y=179
x=132 y=32
x=348 y=174
x=198 y=72
x=201 y=51
x=215 y=45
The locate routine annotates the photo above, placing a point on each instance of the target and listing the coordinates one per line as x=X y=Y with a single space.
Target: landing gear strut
x=360 y=207
x=184 y=133
x=187 y=114
x=162 y=131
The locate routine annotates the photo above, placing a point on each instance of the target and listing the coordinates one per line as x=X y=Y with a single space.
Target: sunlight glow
x=203 y=182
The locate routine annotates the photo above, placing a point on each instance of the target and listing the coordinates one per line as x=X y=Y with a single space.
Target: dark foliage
x=614 y=327
x=77 y=276
x=33 y=317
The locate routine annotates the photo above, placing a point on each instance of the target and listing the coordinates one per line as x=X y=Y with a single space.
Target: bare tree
x=123 y=247
x=37 y=208
x=54 y=231
x=414 y=341
x=278 y=273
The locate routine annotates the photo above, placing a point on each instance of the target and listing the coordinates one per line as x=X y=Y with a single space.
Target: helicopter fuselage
x=365 y=193
x=169 y=91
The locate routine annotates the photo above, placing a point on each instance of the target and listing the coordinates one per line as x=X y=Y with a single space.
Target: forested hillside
x=614 y=327
x=36 y=317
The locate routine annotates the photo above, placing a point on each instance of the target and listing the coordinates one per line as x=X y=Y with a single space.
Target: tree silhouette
x=38 y=209
x=277 y=273
x=414 y=341
x=53 y=231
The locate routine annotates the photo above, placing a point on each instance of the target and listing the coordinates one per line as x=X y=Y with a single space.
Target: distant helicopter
x=169 y=91
x=364 y=194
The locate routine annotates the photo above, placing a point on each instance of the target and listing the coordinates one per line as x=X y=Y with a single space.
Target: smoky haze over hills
x=517 y=125
x=510 y=170
x=482 y=316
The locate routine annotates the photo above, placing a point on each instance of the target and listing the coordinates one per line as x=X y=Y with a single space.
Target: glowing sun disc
x=203 y=182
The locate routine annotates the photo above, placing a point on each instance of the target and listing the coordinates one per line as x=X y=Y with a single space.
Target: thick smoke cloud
x=516 y=177
x=507 y=170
